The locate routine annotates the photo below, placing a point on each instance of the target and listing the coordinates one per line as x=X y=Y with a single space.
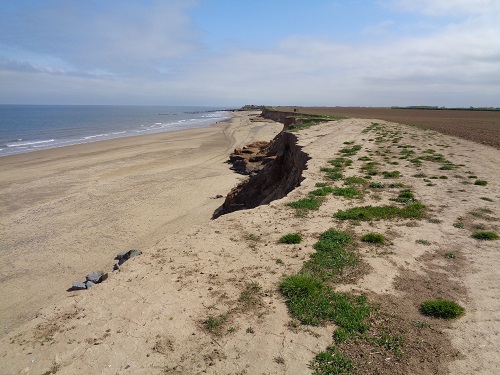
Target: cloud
x=154 y=55
x=448 y=7
x=115 y=36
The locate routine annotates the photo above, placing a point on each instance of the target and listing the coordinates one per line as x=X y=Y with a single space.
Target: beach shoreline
x=67 y=211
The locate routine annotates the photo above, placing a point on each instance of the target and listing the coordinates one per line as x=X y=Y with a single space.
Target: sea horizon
x=32 y=127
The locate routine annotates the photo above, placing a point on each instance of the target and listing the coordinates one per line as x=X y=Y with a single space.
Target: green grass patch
x=331 y=257
x=447 y=167
x=391 y=174
x=330 y=170
x=309 y=203
x=314 y=303
x=481 y=182
x=347 y=192
x=366 y=213
x=441 y=308
x=214 y=324
x=334 y=176
x=375 y=238
x=331 y=362
x=396 y=185
x=321 y=192
x=291 y=238
x=350 y=151
x=340 y=162
x=405 y=196
x=376 y=185
x=354 y=181
x=485 y=236
x=321 y=184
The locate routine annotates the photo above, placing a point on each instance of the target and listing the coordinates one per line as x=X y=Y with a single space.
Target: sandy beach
x=66 y=212
x=204 y=296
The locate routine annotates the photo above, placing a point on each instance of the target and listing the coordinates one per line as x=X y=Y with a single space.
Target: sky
x=236 y=52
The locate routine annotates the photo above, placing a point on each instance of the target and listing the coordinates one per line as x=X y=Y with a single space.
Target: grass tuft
x=392 y=174
x=441 y=308
x=373 y=238
x=485 y=236
x=348 y=192
x=291 y=238
x=310 y=203
x=354 y=181
x=481 y=182
x=331 y=362
x=322 y=191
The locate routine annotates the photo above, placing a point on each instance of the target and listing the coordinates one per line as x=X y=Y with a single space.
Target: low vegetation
x=485 y=236
x=374 y=238
x=291 y=238
x=481 y=182
x=309 y=203
x=441 y=308
x=366 y=213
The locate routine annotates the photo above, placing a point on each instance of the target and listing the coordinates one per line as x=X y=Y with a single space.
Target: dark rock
x=126 y=255
x=219 y=196
x=134 y=253
x=96 y=277
x=77 y=285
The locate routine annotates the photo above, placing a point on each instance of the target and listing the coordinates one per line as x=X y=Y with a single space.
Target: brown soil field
x=478 y=126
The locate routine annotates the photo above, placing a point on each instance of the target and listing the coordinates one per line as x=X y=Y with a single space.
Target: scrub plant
x=441 y=308
x=291 y=238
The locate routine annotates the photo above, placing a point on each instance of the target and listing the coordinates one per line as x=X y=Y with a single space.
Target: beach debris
x=96 y=277
x=91 y=279
x=126 y=255
x=77 y=285
x=123 y=256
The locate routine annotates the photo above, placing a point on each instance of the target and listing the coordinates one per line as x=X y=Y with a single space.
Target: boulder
x=96 y=277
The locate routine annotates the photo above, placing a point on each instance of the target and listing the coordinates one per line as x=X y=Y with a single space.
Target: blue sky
x=230 y=53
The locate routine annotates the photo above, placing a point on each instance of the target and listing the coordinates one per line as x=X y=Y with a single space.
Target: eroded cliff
x=279 y=176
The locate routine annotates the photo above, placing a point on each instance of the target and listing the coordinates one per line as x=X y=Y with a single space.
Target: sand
x=156 y=193
x=66 y=212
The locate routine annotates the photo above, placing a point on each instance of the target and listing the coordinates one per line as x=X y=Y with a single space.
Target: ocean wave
x=96 y=136
x=29 y=143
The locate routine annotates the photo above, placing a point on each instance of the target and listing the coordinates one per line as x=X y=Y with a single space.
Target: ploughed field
x=477 y=126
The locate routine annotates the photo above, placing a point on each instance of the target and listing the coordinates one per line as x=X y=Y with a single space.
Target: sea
x=27 y=128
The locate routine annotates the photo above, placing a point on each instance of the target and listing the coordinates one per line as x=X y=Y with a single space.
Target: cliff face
x=286 y=118
x=274 y=181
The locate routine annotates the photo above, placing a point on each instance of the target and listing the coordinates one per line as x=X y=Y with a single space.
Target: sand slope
x=151 y=316
x=68 y=211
